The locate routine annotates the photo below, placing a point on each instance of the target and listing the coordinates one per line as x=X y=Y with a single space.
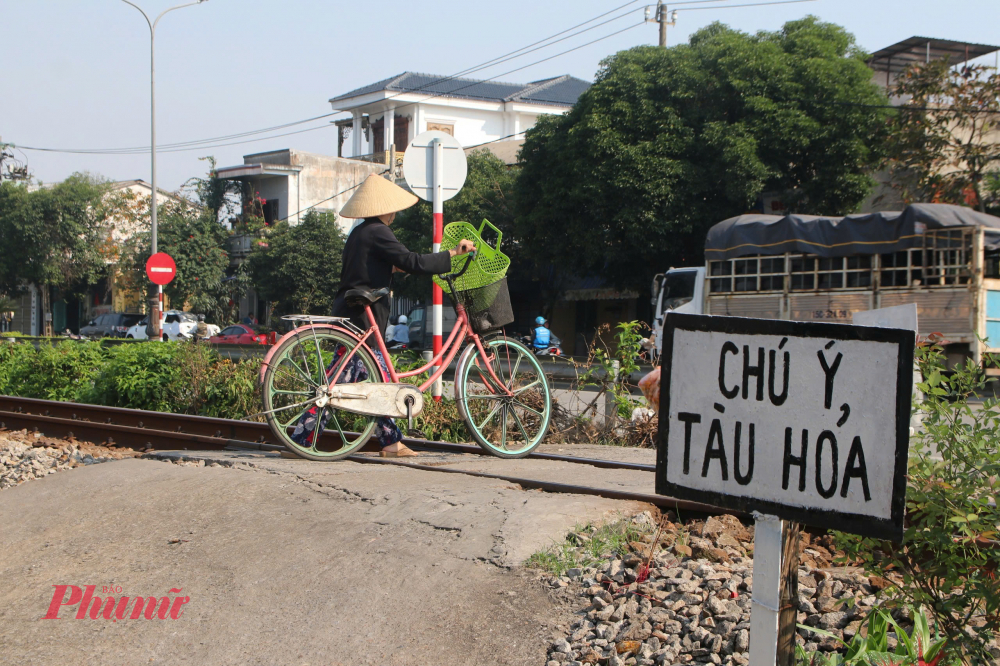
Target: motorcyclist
x=201 y=332
x=401 y=334
x=542 y=334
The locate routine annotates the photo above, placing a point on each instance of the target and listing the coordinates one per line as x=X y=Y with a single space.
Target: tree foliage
x=488 y=194
x=298 y=268
x=57 y=237
x=948 y=560
x=668 y=142
x=944 y=142
x=196 y=242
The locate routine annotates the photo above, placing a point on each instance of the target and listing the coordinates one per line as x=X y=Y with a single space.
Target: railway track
x=160 y=432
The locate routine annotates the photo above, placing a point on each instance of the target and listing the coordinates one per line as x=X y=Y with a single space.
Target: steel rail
x=147 y=430
x=132 y=426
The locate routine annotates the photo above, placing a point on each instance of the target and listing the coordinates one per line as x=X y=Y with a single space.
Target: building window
x=401 y=133
x=447 y=128
x=270 y=209
x=991 y=268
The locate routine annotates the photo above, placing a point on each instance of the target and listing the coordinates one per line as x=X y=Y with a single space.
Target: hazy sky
x=75 y=73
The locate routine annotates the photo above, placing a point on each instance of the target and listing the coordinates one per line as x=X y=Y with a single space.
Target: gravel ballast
x=694 y=606
x=28 y=455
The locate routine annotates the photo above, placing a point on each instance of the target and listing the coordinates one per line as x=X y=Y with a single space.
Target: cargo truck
x=943 y=258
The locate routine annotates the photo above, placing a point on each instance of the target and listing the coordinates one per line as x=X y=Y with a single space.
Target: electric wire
x=752 y=4
x=206 y=147
x=352 y=187
x=489 y=63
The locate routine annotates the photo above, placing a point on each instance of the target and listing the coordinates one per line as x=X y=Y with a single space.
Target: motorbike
x=553 y=349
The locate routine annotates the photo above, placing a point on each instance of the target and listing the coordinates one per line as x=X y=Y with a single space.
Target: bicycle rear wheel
x=508 y=426
x=299 y=367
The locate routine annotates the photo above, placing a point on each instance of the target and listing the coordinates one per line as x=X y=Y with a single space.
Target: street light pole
x=157 y=304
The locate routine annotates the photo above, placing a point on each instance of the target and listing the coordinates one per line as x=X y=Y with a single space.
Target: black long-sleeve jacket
x=369 y=255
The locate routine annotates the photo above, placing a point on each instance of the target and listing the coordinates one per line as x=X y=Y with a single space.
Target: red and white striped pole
x=159 y=314
x=437 y=295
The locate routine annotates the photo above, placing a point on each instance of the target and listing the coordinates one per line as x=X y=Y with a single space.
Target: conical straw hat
x=377 y=196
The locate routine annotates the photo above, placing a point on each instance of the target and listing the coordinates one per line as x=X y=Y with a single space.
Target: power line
x=206 y=147
x=352 y=187
x=517 y=69
x=200 y=142
x=752 y=4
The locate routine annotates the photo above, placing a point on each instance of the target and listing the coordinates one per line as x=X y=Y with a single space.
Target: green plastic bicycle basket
x=489 y=265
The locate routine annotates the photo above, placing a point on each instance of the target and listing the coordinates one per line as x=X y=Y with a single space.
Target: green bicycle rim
x=295 y=371
x=498 y=426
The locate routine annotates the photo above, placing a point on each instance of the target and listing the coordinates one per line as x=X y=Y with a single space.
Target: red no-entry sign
x=160 y=268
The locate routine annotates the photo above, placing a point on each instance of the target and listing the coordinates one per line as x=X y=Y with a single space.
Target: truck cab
x=677 y=290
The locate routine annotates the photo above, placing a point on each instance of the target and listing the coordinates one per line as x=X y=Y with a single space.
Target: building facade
x=393 y=111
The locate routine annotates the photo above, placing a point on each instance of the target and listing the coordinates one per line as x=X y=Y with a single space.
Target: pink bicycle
x=311 y=382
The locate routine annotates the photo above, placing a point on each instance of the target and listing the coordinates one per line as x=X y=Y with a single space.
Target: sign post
x=160 y=269
x=794 y=422
x=435 y=168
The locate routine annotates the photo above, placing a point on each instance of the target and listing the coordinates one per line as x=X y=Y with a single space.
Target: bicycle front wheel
x=299 y=367
x=508 y=426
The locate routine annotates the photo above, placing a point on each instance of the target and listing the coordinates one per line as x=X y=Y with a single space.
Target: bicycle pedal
x=413 y=433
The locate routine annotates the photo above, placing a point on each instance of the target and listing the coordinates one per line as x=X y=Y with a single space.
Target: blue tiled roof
x=562 y=90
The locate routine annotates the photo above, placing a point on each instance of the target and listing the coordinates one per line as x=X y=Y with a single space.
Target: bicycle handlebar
x=468 y=262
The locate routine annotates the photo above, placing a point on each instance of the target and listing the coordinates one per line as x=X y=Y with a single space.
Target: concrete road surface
x=283 y=562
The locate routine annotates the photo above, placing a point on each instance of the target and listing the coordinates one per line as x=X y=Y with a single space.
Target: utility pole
x=157 y=302
x=661 y=18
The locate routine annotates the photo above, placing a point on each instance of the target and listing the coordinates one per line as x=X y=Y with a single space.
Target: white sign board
x=806 y=421
x=418 y=165
x=898 y=316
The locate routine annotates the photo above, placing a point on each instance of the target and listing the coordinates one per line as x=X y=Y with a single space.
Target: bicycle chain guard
x=376 y=399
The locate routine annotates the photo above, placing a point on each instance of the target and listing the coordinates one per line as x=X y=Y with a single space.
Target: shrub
x=140 y=376
x=870 y=645
x=63 y=371
x=947 y=562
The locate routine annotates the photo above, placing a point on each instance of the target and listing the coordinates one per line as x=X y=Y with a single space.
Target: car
x=241 y=334
x=177 y=325
x=421 y=326
x=111 y=325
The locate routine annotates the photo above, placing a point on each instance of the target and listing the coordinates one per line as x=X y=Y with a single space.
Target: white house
x=395 y=110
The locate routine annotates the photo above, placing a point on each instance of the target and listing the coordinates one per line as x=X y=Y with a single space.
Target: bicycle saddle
x=363 y=296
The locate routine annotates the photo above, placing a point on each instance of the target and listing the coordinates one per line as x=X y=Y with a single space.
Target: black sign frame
x=879 y=528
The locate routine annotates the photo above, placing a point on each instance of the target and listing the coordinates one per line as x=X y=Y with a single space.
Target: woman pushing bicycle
x=371 y=255
x=330 y=385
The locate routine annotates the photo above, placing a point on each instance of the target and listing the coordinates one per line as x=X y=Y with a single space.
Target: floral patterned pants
x=386 y=431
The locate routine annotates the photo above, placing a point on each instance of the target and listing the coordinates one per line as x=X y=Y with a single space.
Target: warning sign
x=806 y=421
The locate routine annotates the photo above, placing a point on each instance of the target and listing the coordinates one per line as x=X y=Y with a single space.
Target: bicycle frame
x=448 y=351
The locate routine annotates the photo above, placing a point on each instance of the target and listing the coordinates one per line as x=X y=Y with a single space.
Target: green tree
x=668 y=142
x=58 y=237
x=298 y=268
x=488 y=194
x=944 y=142
x=218 y=195
x=197 y=244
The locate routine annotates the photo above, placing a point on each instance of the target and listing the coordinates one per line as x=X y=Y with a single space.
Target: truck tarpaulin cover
x=865 y=233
